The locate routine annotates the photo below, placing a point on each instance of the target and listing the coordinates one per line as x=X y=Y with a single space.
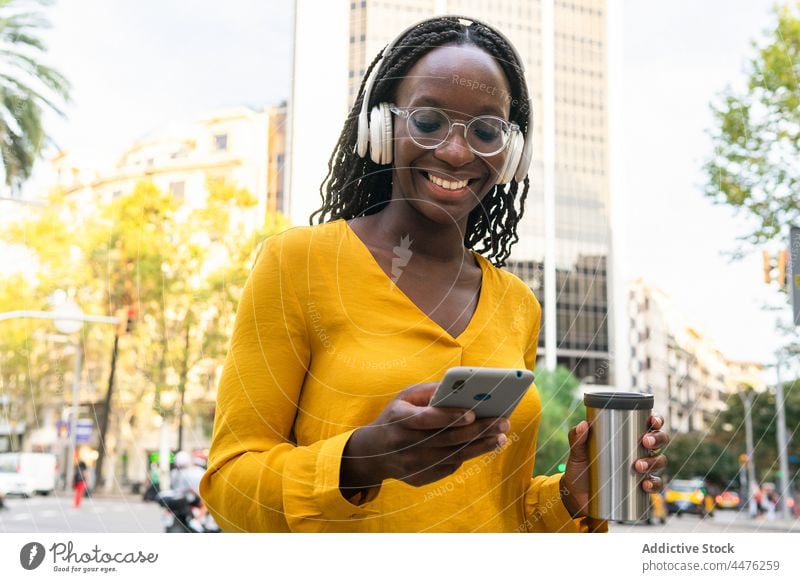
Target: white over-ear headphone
x=375 y=133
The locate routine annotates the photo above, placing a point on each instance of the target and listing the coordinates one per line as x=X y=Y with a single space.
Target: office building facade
x=690 y=378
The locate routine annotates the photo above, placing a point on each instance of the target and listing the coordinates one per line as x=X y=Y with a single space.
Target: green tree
x=180 y=267
x=25 y=367
x=26 y=87
x=731 y=429
x=703 y=455
x=561 y=410
x=756 y=135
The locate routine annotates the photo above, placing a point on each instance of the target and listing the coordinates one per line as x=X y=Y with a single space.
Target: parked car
x=689 y=496
x=40 y=470
x=727 y=500
x=12 y=482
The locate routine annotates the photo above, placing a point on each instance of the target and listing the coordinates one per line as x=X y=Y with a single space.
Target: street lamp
x=746 y=393
x=68 y=321
x=783 y=444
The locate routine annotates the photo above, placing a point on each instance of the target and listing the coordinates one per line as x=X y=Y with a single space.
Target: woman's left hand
x=575 y=481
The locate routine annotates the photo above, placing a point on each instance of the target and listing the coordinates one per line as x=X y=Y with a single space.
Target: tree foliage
x=561 y=410
x=730 y=424
x=756 y=135
x=705 y=455
x=27 y=87
x=180 y=268
x=715 y=453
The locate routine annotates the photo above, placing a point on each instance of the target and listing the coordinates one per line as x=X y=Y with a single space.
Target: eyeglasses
x=430 y=127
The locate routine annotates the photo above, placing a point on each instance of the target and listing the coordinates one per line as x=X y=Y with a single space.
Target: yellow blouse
x=323 y=340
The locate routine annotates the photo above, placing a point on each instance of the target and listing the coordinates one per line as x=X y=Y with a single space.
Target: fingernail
x=469 y=417
x=504 y=425
x=649 y=441
x=648 y=485
x=641 y=466
x=501 y=440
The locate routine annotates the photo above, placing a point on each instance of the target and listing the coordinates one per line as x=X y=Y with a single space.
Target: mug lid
x=619 y=400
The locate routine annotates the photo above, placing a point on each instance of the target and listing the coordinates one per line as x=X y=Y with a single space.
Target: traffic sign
x=83 y=432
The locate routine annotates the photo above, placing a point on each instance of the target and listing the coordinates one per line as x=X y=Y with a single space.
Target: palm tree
x=26 y=87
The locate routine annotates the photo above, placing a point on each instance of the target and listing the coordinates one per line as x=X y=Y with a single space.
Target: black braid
x=356 y=186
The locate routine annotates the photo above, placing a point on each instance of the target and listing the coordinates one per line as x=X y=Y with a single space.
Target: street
x=55 y=513
x=129 y=513
x=729 y=521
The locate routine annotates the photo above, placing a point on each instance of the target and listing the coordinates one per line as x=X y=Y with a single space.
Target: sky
x=677 y=56
x=137 y=65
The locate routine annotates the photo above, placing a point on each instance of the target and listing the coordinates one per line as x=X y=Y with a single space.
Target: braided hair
x=356 y=186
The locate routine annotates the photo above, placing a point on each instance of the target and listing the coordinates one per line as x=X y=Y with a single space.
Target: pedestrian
x=79 y=482
x=185 y=482
x=185 y=476
x=345 y=328
x=769 y=502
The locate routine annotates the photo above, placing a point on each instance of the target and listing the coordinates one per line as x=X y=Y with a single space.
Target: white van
x=12 y=482
x=39 y=470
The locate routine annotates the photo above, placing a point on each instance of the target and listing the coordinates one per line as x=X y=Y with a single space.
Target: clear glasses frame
x=407 y=112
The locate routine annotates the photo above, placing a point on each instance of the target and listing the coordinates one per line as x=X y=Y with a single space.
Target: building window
x=221 y=142
x=176 y=189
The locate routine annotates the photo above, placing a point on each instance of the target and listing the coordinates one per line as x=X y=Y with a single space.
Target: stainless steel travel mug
x=617 y=423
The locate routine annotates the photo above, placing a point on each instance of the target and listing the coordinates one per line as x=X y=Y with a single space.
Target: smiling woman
x=345 y=328
x=473 y=72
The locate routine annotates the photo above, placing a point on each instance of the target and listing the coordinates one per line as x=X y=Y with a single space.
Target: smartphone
x=487 y=391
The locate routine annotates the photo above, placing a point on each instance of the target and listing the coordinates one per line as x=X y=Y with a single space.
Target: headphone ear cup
x=515 y=159
x=524 y=165
x=380 y=134
x=362 y=140
x=375 y=134
x=502 y=175
x=387 y=147
x=512 y=159
x=527 y=151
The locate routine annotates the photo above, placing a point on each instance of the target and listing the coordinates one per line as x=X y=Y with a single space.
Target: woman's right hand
x=416 y=443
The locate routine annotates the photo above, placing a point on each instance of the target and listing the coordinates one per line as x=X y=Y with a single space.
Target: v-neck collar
x=466 y=335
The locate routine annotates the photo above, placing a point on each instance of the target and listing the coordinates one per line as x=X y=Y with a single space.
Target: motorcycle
x=185 y=514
